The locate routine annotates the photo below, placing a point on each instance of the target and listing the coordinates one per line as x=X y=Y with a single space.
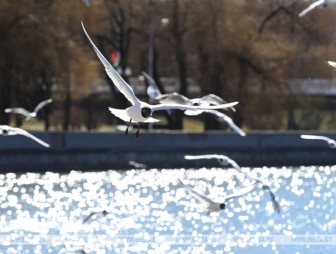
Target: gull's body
x=331 y=142
x=6 y=130
x=139 y=111
x=93 y=214
x=225 y=161
x=26 y=113
x=312 y=7
x=213 y=206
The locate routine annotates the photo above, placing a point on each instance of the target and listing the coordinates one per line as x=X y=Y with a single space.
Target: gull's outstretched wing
x=311 y=7
x=332 y=64
x=91 y=215
x=118 y=81
x=224 y=118
x=28 y=135
x=196 y=194
x=200 y=157
x=276 y=205
x=42 y=104
x=240 y=192
x=187 y=107
x=20 y=111
x=315 y=137
x=174 y=98
x=152 y=89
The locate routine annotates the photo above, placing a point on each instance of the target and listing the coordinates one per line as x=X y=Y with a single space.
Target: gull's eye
x=222 y=206
x=146 y=112
x=4 y=131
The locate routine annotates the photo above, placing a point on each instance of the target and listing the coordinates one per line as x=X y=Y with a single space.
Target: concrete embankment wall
x=100 y=151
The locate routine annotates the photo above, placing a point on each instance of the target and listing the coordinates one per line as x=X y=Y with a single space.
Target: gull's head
x=146 y=112
x=222 y=206
x=223 y=161
x=4 y=132
x=332 y=144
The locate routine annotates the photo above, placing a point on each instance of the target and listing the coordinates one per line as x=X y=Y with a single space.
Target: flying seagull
x=86 y=2
x=221 y=117
x=137 y=164
x=26 y=113
x=213 y=206
x=312 y=7
x=331 y=142
x=139 y=111
x=103 y=212
x=6 y=130
x=205 y=101
x=225 y=161
x=152 y=89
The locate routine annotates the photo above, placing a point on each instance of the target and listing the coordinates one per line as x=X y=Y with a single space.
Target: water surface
x=149 y=212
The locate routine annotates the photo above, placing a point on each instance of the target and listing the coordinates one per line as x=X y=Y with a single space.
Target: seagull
x=86 y=2
x=6 y=130
x=137 y=164
x=312 y=7
x=221 y=117
x=152 y=89
x=225 y=161
x=139 y=111
x=213 y=206
x=205 y=101
x=332 y=64
x=331 y=142
x=103 y=212
x=27 y=114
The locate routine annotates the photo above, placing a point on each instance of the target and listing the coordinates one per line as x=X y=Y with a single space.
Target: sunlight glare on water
x=149 y=212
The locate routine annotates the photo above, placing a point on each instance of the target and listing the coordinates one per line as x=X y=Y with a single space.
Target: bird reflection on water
x=149 y=210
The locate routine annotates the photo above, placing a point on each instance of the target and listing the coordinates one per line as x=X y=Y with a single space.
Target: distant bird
x=205 y=101
x=331 y=142
x=332 y=64
x=221 y=117
x=6 y=130
x=213 y=206
x=312 y=7
x=139 y=111
x=89 y=217
x=27 y=114
x=152 y=89
x=86 y=2
x=137 y=164
x=225 y=161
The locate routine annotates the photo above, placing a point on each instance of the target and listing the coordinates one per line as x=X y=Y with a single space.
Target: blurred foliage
x=241 y=50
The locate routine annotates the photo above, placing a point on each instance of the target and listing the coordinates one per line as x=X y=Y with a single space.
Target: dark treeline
x=240 y=50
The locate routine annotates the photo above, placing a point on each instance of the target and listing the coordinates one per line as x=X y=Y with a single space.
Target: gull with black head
x=139 y=111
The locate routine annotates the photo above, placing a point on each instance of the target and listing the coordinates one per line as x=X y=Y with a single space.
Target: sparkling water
x=149 y=212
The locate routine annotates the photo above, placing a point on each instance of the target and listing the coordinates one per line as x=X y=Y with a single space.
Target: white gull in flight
x=26 y=113
x=225 y=161
x=139 y=111
x=6 y=130
x=213 y=206
x=331 y=142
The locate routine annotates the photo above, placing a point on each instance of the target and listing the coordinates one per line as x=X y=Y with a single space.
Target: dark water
x=149 y=212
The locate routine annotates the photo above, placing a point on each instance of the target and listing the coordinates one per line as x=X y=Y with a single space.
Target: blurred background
x=260 y=53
